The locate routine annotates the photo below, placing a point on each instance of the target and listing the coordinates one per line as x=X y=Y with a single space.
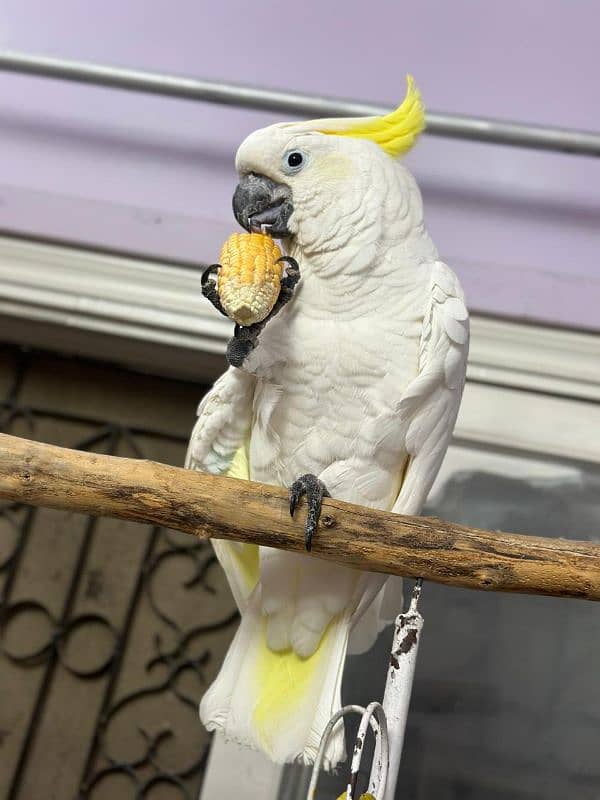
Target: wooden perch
x=225 y=508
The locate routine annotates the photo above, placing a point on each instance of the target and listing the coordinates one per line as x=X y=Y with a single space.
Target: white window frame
x=522 y=378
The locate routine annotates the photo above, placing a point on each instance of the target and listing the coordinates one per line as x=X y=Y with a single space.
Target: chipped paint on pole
x=388 y=721
x=373 y=715
x=398 y=688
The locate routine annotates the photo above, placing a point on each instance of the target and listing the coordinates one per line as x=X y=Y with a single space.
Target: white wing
x=218 y=445
x=431 y=401
x=427 y=412
x=223 y=425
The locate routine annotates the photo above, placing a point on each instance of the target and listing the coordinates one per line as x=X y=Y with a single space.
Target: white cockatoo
x=350 y=387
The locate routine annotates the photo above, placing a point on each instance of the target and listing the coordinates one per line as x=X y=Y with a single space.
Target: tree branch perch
x=225 y=508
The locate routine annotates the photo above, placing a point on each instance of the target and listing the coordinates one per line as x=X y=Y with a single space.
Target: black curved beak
x=258 y=201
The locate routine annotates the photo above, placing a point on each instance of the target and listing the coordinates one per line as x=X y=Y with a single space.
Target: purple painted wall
x=155 y=175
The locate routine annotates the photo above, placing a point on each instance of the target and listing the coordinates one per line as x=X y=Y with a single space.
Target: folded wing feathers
x=431 y=401
x=224 y=417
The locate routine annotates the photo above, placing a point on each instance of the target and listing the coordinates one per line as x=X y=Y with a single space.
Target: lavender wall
x=155 y=176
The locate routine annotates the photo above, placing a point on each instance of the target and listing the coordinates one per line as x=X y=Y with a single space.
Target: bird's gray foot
x=209 y=287
x=242 y=343
x=315 y=490
x=245 y=337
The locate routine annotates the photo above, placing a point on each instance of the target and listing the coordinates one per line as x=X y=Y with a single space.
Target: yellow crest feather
x=396 y=132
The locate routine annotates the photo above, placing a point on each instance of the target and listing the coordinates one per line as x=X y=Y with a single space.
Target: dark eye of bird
x=294 y=159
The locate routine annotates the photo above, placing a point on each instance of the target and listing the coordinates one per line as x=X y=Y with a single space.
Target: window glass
x=506 y=701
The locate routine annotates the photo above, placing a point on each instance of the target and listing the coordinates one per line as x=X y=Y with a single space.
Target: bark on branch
x=225 y=508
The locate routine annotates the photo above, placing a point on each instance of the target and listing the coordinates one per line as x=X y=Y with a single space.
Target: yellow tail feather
x=283 y=683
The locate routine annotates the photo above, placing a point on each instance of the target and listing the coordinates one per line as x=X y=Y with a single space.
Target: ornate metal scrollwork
x=136 y=739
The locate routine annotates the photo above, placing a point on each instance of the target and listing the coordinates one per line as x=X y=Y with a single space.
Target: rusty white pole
x=387 y=720
x=380 y=766
x=398 y=687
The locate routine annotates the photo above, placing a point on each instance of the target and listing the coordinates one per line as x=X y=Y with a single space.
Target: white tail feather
x=278 y=702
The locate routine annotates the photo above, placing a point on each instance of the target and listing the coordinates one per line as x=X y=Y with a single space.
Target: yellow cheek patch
x=333 y=167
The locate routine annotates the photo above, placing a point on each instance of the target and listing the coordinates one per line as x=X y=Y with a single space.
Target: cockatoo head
x=325 y=182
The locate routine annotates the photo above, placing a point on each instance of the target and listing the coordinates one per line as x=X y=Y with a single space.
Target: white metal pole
x=374 y=711
x=455 y=126
x=398 y=688
x=374 y=716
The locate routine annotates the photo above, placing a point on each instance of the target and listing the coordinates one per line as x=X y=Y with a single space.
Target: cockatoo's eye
x=293 y=161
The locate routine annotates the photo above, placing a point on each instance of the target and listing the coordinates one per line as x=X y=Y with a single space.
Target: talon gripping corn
x=249 y=280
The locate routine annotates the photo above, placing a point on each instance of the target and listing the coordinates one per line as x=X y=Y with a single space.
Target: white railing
x=455 y=126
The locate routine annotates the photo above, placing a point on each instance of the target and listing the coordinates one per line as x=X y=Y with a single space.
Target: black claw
x=292 y=273
x=315 y=490
x=208 y=273
x=209 y=287
x=288 y=285
x=294 y=497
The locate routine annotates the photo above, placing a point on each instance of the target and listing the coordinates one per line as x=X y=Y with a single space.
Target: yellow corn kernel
x=367 y=796
x=249 y=280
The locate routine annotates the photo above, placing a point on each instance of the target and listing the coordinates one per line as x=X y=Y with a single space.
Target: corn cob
x=249 y=280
